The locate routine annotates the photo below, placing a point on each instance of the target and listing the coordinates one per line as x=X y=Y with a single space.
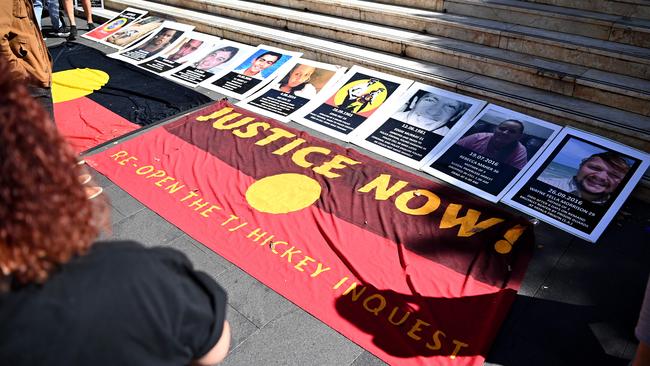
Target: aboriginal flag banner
x=97 y=99
x=413 y=271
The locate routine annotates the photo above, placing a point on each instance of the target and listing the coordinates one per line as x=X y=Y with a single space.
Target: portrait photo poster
x=579 y=182
x=133 y=32
x=120 y=21
x=205 y=63
x=249 y=76
x=294 y=86
x=490 y=154
x=158 y=42
x=175 y=57
x=359 y=94
x=416 y=125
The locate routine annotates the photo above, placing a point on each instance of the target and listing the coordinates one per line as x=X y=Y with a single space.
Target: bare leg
x=69 y=11
x=87 y=10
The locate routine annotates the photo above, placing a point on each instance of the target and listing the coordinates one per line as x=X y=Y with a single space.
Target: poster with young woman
x=357 y=95
x=579 y=182
x=492 y=152
x=132 y=33
x=165 y=37
x=206 y=63
x=178 y=55
x=417 y=123
x=297 y=84
x=251 y=75
x=122 y=20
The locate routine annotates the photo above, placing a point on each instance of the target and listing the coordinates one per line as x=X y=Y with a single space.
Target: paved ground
x=577 y=306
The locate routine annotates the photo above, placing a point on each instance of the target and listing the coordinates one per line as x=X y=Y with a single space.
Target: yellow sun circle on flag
x=283 y=193
x=352 y=95
x=72 y=84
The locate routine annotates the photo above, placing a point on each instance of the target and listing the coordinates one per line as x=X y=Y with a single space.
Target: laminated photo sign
x=579 y=183
x=293 y=88
x=492 y=152
x=359 y=94
x=166 y=37
x=414 y=127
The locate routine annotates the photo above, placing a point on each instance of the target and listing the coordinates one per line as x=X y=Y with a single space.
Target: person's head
x=264 y=61
x=299 y=75
x=600 y=174
x=163 y=37
x=435 y=107
x=508 y=132
x=45 y=218
x=186 y=48
x=217 y=57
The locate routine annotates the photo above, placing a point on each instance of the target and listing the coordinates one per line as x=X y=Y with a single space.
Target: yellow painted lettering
x=277 y=134
x=416 y=328
x=303 y=263
x=209 y=210
x=214 y=115
x=300 y=157
x=289 y=253
x=401 y=321
x=335 y=163
x=437 y=343
x=431 y=204
x=251 y=130
x=275 y=244
x=459 y=345
x=126 y=160
x=380 y=306
x=380 y=185
x=119 y=154
x=173 y=188
x=468 y=225
x=319 y=269
x=164 y=180
x=288 y=147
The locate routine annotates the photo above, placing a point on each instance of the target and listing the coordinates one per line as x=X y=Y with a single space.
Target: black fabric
x=44 y=97
x=121 y=304
x=133 y=93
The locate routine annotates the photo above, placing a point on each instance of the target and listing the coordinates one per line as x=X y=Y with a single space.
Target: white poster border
x=426 y=167
x=141 y=13
x=613 y=208
x=339 y=71
x=372 y=124
x=325 y=95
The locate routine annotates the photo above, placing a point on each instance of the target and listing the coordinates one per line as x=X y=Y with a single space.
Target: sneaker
x=91 y=26
x=61 y=32
x=73 y=33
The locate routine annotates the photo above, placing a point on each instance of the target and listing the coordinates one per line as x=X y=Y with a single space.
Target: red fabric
x=455 y=290
x=86 y=123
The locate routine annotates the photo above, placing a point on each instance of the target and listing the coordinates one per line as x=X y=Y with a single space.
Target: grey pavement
x=577 y=306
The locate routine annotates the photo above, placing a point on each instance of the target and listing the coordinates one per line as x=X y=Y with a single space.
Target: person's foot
x=61 y=32
x=73 y=33
x=91 y=26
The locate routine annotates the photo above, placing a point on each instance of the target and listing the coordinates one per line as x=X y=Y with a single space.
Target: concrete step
x=592 y=24
x=603 y=55
x=629 y=128
x=625 y=93
x=581 y=22
x=627 y=8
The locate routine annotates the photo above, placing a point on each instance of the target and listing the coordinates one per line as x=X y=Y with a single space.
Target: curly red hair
x=45 y=218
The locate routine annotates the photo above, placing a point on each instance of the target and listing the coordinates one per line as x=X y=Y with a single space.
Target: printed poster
x=492 y=152
x=132 y=33
x=158 y=42
x=177 y=56
x=293 y=89
x=251 y=75
x=414 y=125
x=359 y=94
x=209 y=62
x=123 y=19
x=579 y=183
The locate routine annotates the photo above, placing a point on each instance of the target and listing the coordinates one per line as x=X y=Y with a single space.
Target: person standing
x=53 y=8
x=24 y=50
x=69 y=10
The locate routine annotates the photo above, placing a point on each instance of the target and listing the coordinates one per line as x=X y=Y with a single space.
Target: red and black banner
x=415 y=272
x=98 y=98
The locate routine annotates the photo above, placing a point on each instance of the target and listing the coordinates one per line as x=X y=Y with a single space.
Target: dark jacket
x=21 y=43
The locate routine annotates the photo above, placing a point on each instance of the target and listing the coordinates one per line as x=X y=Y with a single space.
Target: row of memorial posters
x=566 y=177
